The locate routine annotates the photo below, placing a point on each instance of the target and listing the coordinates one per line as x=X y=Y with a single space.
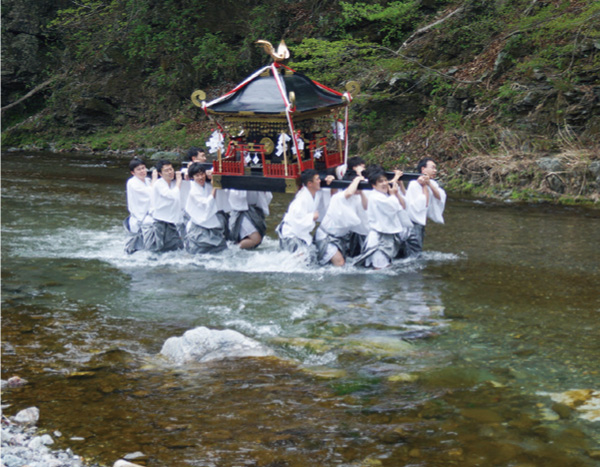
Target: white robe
x=363 y=227
x=201 y=206
x=222 y=197
x=184 y=190
x=239 y=200
x=416 y=203
x=260 y=199
x=166 y=202
x=343 y=215
x=384 y=213
x=298 y=221
x=139 y=202
x=387 y=230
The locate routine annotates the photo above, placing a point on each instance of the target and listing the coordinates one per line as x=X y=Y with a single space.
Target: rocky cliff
x=490 y=88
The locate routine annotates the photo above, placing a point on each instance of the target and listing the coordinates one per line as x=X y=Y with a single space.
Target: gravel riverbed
x=24 y=445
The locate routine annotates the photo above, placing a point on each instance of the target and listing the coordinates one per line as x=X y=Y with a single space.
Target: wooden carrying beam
x=255 y=181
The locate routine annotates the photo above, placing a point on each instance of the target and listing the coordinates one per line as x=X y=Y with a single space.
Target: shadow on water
x=448 y=360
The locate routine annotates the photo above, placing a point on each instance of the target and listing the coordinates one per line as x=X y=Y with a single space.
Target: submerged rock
x=16 y=382
x=124 y=463
x=203 y=345
x=28 y=416
x=585 y=401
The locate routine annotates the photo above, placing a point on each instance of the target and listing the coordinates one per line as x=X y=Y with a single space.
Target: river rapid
x=458 y=358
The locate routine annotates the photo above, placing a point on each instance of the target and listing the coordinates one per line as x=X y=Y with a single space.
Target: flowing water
x=447 y=360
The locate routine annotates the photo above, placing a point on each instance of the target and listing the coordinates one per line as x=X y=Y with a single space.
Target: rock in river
x=202 y=345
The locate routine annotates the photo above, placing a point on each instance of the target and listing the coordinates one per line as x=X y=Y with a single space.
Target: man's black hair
x=161 y=163
x=353 y=162
x=423 y=163
x=195 y=168
x=193 y=152
x=372 y=168
x=308 y=175
x=135 y=162
x=375 y=175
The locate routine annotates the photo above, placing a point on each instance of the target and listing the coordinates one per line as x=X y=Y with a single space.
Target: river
x=457 y=358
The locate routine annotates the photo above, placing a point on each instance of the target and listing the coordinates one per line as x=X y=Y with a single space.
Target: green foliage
x=215 y=58
x=474 y=36
x=392 y=20
x=332 y=61
x=555 y=32
x=370 y=121
x=459 y=185
x=440 y=85
x=167 y=41
x=167 y=135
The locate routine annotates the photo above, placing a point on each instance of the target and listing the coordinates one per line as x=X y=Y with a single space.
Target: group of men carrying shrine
x=177 y=210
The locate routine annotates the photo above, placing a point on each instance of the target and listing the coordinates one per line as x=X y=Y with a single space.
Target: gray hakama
x=327 y=245
x=413 y=245
x=162 y=236
x=224 y=220
x=297 y=246
x=244 y=223
x=135 y=242
x=291 y=244
x=356 y=242
x=379 y=253
x=202 y=240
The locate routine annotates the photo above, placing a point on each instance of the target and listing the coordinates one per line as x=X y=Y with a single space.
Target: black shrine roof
x=261 y=95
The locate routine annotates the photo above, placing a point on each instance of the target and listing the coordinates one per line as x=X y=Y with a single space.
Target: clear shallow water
x=433 y=362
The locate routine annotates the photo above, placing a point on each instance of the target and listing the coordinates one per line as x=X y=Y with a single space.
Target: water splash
x=108 y=246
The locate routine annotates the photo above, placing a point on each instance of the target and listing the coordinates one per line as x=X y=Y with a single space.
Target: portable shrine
x=275 y=124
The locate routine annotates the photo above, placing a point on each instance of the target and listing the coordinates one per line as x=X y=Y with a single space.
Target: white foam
x=108 y=246
x=262 y=330
x=301 y=311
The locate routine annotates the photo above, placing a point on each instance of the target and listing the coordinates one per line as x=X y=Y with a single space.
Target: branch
x=416 y=62
x=30 y=93
x=424 y=29
x=575 y=41
x=528 y=10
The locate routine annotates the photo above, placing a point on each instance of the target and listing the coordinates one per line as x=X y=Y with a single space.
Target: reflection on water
x=448 y=360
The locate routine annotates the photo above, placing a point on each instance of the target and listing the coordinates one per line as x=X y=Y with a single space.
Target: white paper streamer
x=282 y=143
x=215 y=142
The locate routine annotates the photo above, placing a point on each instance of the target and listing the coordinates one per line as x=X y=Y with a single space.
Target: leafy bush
x=332 y=61
x=393 y=20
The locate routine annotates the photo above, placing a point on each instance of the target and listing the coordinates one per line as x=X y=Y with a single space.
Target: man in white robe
x=332 y=237
x=165 y=233
x=358 y=233
x=205 y=232
x=295 y=230
x=139 y=203
x=388 y=228
x=194 y=154
x=425 y=199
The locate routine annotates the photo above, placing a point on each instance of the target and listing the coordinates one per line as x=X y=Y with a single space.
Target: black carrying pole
x=365 y=185
x=256 y=181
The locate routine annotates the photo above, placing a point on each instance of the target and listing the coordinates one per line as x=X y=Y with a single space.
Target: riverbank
x=569 y=178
